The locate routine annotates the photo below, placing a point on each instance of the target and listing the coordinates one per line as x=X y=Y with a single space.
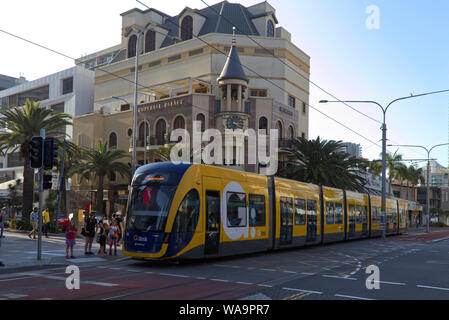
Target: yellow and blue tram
x=192 y=211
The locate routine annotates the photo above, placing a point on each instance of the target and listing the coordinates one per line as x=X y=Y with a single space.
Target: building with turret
x=226 y=66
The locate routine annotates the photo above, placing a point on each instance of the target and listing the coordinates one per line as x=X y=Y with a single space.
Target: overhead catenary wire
x=270 y=52
x=262 y=77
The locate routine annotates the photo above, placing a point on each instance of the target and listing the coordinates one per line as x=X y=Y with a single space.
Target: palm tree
x=393 y=165
x=99 y=163
x=402 y=174
x=321 y=162
x=415 y=176
x=22 y=123
x=375 y=167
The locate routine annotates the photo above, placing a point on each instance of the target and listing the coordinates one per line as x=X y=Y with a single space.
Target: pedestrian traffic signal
x=50 y=153
x=36 y=148
x=47 y=181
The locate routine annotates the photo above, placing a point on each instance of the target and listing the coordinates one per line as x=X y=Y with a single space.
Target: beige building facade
x=223 y=80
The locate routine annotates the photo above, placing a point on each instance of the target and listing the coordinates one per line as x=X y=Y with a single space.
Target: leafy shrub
x=6 y=224
x=23 y=225
x=437 y=225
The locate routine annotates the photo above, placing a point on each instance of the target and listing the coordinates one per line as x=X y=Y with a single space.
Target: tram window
x=300 y=212
x=330 y=213
x=256 y=210
x=188 y=213
x=358 y=214
x=236 y=208
x=374 y=214
x=364 y=214
x=311 y=208
x=338 y=213
x=286 y=211
x=352 y=212
x=212 y=211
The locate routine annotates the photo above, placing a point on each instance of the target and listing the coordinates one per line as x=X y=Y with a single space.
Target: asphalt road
x=409 y=269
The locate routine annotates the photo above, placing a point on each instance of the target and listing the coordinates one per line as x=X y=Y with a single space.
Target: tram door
x=352 y=218
x=286 y=221
x=364 y=221
x=212 y=241
x=311 y=220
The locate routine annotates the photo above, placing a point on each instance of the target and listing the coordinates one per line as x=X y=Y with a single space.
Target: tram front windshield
x=151 y=198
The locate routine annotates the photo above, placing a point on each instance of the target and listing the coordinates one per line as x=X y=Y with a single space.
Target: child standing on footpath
x=70 y=235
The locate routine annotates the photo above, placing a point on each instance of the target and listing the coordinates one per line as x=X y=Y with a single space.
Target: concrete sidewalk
x=18 y=251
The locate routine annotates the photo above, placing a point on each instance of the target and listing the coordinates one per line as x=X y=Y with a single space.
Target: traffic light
x=50 y=153
x=36 y=148
x=47 y=181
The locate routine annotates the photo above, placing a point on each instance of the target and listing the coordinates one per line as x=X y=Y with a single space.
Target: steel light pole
x=428 y=174
x=384 y=145
x=136 y=81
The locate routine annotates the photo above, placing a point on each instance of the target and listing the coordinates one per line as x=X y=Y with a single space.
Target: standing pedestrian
x=119 y=220
x=1 y=224
x=112 y=238
x=70 y=236
x=102 y=236
x=89 y=226
x=34 y=222
x=46 y=221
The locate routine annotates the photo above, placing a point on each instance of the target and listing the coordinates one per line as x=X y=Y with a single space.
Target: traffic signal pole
x=41 y=202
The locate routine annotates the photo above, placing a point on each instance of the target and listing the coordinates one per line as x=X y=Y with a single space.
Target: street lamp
x=384 y=145
x=428 y=174
x=136 y=81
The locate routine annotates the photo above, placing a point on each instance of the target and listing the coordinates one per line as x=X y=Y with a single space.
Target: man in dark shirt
x=89 y=226
x=1 y=224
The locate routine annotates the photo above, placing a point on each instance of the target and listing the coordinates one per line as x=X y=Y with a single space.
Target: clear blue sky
x=408 y=54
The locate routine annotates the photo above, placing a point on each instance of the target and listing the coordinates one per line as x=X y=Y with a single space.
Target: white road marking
x=393 y=283
x=14 y=295
x=337 y=277
x=265 y=285
x=308 y=274
x=226 y=266
x=13 y=279
x=352 y=297
x=220 y=280
x=241 y=282
x=103 y=284
x=271 y=270
x=290 y=272
x=200 y=278
x=436 y=288
x=173 y=275
x=301 y=290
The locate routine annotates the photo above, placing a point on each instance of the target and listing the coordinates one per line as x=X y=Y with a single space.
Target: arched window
x=132 y=46
x=113 y=140
x=179 y=123
x=150 y=41
x=187 y=28
x=161 y=130
x=263 y=123
x=270 y=29
x=279 y=128
x=201 y=118
x=144 y=131
x=290 y=132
